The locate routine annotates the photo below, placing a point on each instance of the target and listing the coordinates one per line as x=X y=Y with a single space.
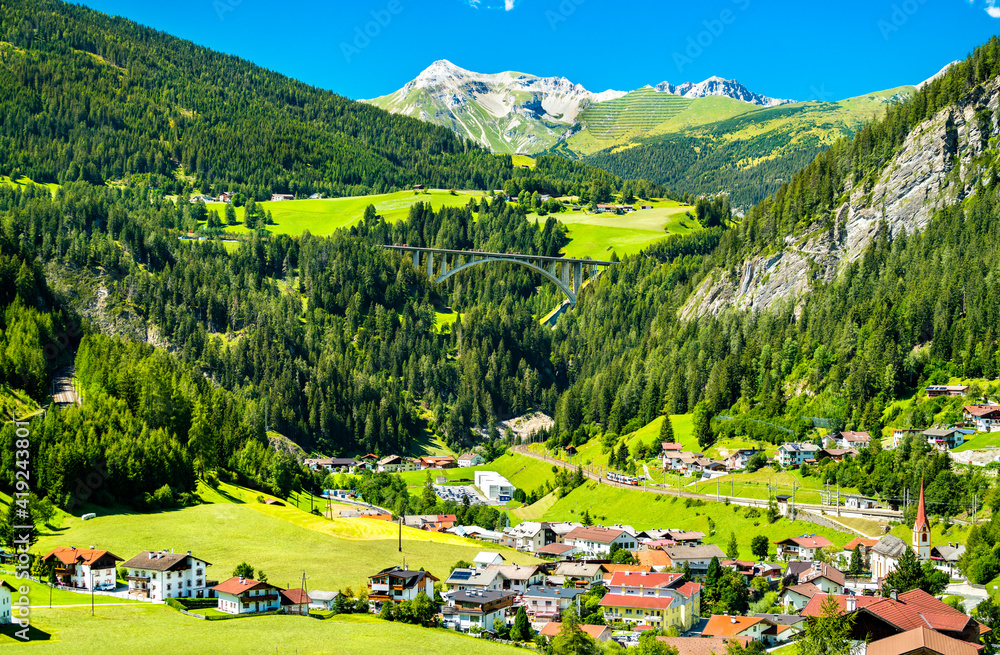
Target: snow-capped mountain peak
x=718 y=86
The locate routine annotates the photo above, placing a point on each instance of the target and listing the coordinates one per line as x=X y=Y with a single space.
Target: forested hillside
x=913 y=309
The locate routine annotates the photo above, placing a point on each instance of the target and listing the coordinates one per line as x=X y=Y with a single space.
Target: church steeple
x=922 y=530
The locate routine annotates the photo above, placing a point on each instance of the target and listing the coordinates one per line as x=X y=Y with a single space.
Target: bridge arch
x=567 y=291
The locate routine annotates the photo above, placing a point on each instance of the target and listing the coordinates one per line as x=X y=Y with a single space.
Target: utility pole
x=304 y=592
x=838 y=499
x=716 y=489
x=678 y=484
x=400 y=533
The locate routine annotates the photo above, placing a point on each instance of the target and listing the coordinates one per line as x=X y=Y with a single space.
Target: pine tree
x=733 y=549
x=667 y=431
x=571 y=640
x=521 y=630
x=856 y=567
x=907 y=576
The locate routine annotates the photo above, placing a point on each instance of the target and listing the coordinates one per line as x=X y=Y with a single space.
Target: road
x=63 y=392
x=596 y=474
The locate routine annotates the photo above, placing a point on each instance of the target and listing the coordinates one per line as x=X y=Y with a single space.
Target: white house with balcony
x=160 y=574
x=84 y=568
x=239 y=595
x=794 y=453
x=398 y=584
x=596 y=541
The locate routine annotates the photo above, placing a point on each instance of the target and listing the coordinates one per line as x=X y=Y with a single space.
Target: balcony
x=262 y=599
x=137 y=578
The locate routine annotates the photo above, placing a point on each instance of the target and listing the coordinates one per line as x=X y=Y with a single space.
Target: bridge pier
x=430 y=264
x=416 y=259
x=444 y=263
x=565 y=273
x=577 y=276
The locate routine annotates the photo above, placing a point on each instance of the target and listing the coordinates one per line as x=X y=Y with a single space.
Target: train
x=623 y=479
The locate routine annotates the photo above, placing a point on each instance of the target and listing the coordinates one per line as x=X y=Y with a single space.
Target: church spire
x=921 y=511
x=922 y=530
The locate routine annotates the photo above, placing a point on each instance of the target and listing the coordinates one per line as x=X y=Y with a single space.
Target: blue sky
x=797 y=50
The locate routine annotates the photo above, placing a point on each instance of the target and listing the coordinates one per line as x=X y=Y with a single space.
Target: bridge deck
x=479 y=253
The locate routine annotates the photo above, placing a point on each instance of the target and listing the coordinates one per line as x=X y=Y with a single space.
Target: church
x=885 y=554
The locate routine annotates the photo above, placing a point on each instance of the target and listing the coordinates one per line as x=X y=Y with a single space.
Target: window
x=168 y=587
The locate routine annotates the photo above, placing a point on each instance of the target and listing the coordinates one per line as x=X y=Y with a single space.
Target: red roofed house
x=986 y=418
x=598 y=632
x=921 y=641
x=295 y=601
x=846 y=602
x=659 y=600
x=720 y=625
x=854 y=440
x=803 y=547
x=703 y=645
x=865 y=547
x=398 y=584
x=84 y=568
x=596 y=541
x=239 y=595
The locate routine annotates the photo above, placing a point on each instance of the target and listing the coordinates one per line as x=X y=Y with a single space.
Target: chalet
x=562 y=528
x=581 y=573
x=239 y=595
x=985 y=418
x=396 y=584
x=794 y=454
x=470 y=459
x=947 y=557
x=544 y=197
x=697 y=557
x=837 y=454
x=443 y=462
x=796 y=597
x=463 y=579
x=275 y=197
x=825 y=577
x=84 y=568
x=921 y=640
x=803 y=547
x=863 y=543
x=645 y=206
x=856 y=440
x=660 y=600
x=543 y=603
x=859 y=502
x=599 y=633
x=952 y=391
x=157 y=575
x=7 y=592
x=316 y=196
x=531 y=535
x=323 y=600
x=727 y=627
x=295 y=601
x=517 y=577
x=738 y=459
x=225 y=197
x=418 y=187
x=596 y=541
x=396 y=463
x=317 y=463
x=944 y=438
x=468 y=609
x=476 y=532
x=703 y=645
x=485 y=558
x=431 y=522
x=614 y=209
x=743 y=567
x=685 y=537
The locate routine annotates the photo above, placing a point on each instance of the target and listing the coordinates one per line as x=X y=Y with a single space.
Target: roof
x=79 y=555
x=487 y=557
x=702 y=645
x=921 y=520
x=553 y=549
x=795 y=446
x=982 y=410
x=323 y=596
x=391 y=459
x=807 y=541
x=237 y=585
x=807 y=589
x=852 y=437
x=699 y=551
x=579 y=569
x=160 y=561
x=812 y=608
x=553 y=628
x=688 y=588
x=860 y=541
x=480 y=597
x=468 y=457
x=541 y=591
x=514 y=571
x=939 y=432
x=8 y=586
x=647 y=580
x=294 y=597
x=644 y=602
x=671 y=446
x=653 y=558
x=890 y=546
x=783 y=619
x=472 y=577
x=406 y=574
x=921 y=638
x=917 y=608
x=807 y=571
x=949 y=553
x=685 y=535
x=596 y=533
x=721 y=625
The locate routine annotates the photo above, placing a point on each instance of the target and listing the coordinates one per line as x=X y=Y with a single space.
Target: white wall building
x=159 y=574
x=793 y=454
x=240 y=595
x=6 y=598
x=596 y=541
x=494 y=486
x=84 y=568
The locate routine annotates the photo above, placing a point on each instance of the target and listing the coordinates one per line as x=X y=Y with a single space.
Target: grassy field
x=323 y=217
x=523 y=160
x=642 y=510
x=979 y=441
x=23 y=182
x=232 y=527
x=39 y=593
x=957 y=533
x=159 y=629
x=598 y=235
x=524 y=472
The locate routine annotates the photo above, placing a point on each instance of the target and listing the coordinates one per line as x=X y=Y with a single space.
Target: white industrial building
x=494 y=486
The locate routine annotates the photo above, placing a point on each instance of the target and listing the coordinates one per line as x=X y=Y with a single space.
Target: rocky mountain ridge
x=717 y=86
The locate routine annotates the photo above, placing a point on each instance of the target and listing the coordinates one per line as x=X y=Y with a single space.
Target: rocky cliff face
x=918 y=181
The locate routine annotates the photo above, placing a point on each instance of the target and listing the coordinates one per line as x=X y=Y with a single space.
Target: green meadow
x=598 y=235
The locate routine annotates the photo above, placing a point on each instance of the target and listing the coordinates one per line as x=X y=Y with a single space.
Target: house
x=485 y=558
x=430 y=522
x=697 y=557
x=655 y=559
x=295 y=601
x=945 y=438
x=738 y=459
x=946 y=557
x=316 y=196
x=703 y=645
x=398 y=584
x=225 y=197
x=921 y=641
x=563 y=528
x=494 y=486
x=543 y=603
x=878 y=618
x=518 y=577
x=556 y=551
x=545 y=197
x=582 y=573
x=462 y=579
x=158 y=575
x=476 y=532
x=316 y=463
x=596 y=541
x=275 y=197
x=743 y=567
x=437 y=462
x=599 y=633
x=611 y=569
x=84 y=568
x=419 y=187
x=323 y=600
x=467 y=609
x=859 y=502
x=645 y=206
x=727 y=627
x=898 y=434
x=530 y=535
x=469 y=459
x=856 y=440
x=669 y=450
x=803 y=547
x=7 y=592
x=985 y=418
x=837 y=454
x=685 y=536
x=396 y=463
x=659 y=600
x=886 y=553
x=825 y=577
x=796 y=597
x=794 y=454
x=865 y=545
x=952 y=391
x=239 y=595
